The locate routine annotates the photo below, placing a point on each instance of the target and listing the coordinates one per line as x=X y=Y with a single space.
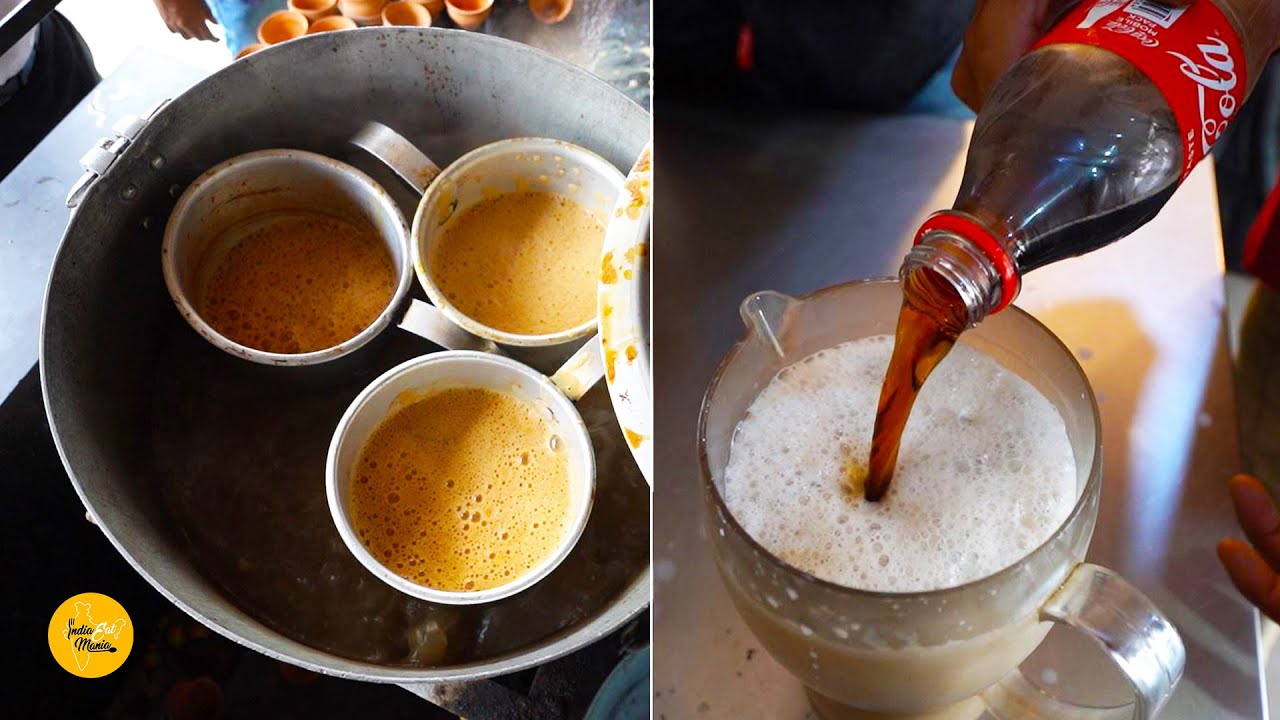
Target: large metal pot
x=206 y=472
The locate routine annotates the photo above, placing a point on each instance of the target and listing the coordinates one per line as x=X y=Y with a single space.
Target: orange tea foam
x=299 y=282
x=522 y=262
x=461 y=490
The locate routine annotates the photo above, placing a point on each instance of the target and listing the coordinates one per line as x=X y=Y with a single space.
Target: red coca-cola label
x=1192 y=55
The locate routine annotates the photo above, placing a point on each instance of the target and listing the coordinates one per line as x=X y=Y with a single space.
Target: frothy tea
x=986 y=471
x=298 y=282
x=522 y=262
x=464 y=489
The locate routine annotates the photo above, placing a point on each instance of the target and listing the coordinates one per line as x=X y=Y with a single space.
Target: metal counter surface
x=33 y=210
x=751 y=203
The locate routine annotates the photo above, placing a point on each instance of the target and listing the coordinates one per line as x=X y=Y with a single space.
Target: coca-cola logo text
x=1215 y=73
x=1170 y=45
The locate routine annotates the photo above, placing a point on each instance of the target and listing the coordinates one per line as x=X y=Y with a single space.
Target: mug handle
x=1139 y=639
x=578 y=374
x=403 y=157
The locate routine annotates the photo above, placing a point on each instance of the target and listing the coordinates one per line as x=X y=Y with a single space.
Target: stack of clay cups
x=249 y=49
x=314 y=9
x=364 y=12
x=304 y=17
x=404 y=12
x=281 y=26
x=331 y=22
x=307 y=17
x=417 y=13
x=468 y=14
x=323 y=15
x=435 y=7
x=550 y=11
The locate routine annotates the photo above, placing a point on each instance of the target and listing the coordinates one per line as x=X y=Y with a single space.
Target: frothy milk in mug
x=986 y=474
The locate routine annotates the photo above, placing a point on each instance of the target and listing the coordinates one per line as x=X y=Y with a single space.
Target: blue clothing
x=240 y=19
x=937 y=97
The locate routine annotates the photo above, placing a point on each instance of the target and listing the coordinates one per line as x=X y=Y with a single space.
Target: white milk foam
x=985 y=473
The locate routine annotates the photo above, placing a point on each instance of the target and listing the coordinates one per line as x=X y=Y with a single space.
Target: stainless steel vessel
x=207 y=472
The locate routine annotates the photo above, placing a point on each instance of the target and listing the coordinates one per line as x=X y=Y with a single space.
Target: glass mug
x=946 y=653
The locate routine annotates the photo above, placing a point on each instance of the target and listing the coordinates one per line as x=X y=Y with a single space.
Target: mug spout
x=765 y=314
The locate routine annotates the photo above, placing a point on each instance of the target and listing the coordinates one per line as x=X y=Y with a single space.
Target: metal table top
x=797 y=204
x=33 y=211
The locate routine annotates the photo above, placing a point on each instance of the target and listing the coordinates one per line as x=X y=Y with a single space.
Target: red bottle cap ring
x=986 y=241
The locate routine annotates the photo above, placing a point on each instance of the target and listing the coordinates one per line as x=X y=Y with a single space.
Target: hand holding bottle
x=1086 y=136
x=1000 y=33
x=1253 y=565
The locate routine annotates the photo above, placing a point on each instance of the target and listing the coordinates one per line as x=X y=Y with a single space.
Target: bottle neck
x=966 y=272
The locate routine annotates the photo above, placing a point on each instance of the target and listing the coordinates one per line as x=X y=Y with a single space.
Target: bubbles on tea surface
x=299 y=282
x=492 y=519
x=985 y=474
x=522 y=262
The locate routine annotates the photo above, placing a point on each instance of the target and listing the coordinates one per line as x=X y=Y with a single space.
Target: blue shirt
x=240 y=19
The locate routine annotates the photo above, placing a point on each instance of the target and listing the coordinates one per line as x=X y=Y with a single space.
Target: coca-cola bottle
x=1086 y=137
x=1082 y=141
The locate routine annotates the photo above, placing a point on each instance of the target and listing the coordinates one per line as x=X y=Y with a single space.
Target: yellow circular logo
x=90 y=635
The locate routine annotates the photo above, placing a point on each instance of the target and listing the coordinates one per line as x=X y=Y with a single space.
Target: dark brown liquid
x=933 y=315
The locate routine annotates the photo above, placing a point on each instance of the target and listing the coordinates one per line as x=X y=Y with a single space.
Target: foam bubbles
x=299 y=282
x=522 y=262
x=473 y=517
x=985 y=473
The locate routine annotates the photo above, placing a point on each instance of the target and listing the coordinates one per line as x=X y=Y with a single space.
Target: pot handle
x=100 y=158
x=575 y=377
x=582 y=370
x=1138 y=638
x=427 y=320
x=397 y=153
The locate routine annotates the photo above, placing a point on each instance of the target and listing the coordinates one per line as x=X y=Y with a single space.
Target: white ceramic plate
x=624 y=311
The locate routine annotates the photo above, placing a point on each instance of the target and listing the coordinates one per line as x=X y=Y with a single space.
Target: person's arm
x=188 y=18
x=1253 y=565
x=1000 y=33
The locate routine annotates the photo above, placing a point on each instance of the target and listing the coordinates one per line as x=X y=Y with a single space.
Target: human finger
x=1258 y=517
x=1251 y=575
x=1000 y=33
